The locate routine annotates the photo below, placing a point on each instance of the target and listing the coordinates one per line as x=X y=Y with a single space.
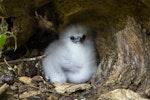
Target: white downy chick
x=71 y=58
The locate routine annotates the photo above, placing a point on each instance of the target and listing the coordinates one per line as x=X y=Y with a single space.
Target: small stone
x=52 y=97
x=13 y=88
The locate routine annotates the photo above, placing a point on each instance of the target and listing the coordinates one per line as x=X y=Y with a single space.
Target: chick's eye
x=84 y=37
x=72 y=38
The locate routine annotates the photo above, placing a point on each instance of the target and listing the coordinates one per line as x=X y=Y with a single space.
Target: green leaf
x=3 y=38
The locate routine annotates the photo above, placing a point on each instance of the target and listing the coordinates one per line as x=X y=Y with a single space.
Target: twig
x=6 y=63
x=3 y=88
x=20 y=60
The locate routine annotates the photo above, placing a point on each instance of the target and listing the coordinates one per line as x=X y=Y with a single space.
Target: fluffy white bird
x=71 y=58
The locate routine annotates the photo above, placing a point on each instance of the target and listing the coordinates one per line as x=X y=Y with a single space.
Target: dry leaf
x=70 y=88
x=26 y=80
x=37 y=78
x=3 y=88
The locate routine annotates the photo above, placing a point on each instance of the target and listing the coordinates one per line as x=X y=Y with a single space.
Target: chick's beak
x=78 y=39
